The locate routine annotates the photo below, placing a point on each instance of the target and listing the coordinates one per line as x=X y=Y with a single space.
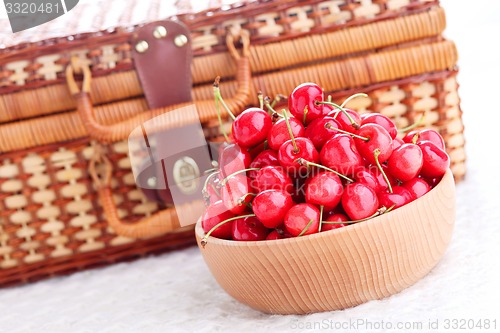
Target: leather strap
x=162 y=58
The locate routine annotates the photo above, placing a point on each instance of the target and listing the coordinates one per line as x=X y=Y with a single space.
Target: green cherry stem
x=277 y=99
x=330 y=127
x=348 y=99
x=274 y=114
x=306 y=110
x=380 y=211
x=415 y=138
x=241 y=200
x=225 y=180
x=221 y=126
x=353 y=123
x=320 y=217
x=304 y=162
x=306 y=228
x=204 y=240
x=376 y=153
x=414 y=125
x=260 y=96
x=219 y=97
x=296 y=149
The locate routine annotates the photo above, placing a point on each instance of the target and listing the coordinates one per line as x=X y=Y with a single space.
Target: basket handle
x=161 y=222
x=206 y=108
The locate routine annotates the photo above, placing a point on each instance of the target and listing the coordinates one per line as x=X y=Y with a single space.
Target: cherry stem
x=353 y=123
x=260 y=96
x=221 y=126
x=348 y=99
x=331 y=127
x=414 y=125
x=306 y=110
x=208 y=179
x=329 y=99
x=376 y=153
x=306 y=228
x=380 y=211
x=268 y=105
x=415 y=138
x=219 y=97
x=204 y=240
x=241 y=200
x=225 y=180
x=304 y=162
x=320 y=217
x=296 y=149
x=277 y=99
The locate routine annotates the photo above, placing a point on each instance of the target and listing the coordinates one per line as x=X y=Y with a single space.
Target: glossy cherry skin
x=272 y=178
x=436 y=161
x=213 y=215
x=265 y=158
x=233 y=158
x=288 y=157
x=400 y=196
x=275 y=234
x=298 y=217
x=306 y=95
x=405 y=162
x=251 y=127
x=425 y=135
x=379 y=138
x=249 y=229
x=233 y=191
x=344 y=122
x=359 y=201
x=324 y=189
x=279 y=132
x=366 y=177
x=417 y=187
x=380 y=178
x=318 y=133
x=380 y=119
x=340 y=154
x=271 y=206
x=334 y=218
x=396 y=143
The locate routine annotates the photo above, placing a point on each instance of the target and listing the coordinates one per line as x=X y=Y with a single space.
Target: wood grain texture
x=340 y=268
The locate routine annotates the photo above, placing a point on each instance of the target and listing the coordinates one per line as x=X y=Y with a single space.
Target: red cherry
x=213 y=215
x=251 y=127
x=272 y=178
x=380 y=119
x=234 y=194
x=400 y=196
x=359 y=201
x=344 y=121
x=417 y=187
x=334 y=218
x=378 y=138
x=340 y=154
x=432 y=181
x=299 y=216
x=304 y=98
x=366 y=177
x=232 y=159
x=275 y=234
x=405 y=162
x=426 y=135
x=318 y=133
x=380 y=178
x=436 y=161
x=249 y=229
x=279 y=132
x=265 y=158
x=396 y=143
x=288 y=156
x=271 y=206
x=324 y=189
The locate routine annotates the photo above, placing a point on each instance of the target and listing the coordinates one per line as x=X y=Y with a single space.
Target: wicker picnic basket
x=68 y=200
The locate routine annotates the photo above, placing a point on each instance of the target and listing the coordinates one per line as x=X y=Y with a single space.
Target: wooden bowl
x=340 y=268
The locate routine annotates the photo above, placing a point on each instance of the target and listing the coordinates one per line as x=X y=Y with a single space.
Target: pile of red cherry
x=324 y=168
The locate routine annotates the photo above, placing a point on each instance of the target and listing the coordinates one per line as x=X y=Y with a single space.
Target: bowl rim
x=448 y=176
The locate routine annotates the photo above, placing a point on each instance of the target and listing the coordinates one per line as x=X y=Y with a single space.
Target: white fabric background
x=176 y=293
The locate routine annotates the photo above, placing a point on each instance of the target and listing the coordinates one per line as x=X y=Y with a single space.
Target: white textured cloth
x=176 y=293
